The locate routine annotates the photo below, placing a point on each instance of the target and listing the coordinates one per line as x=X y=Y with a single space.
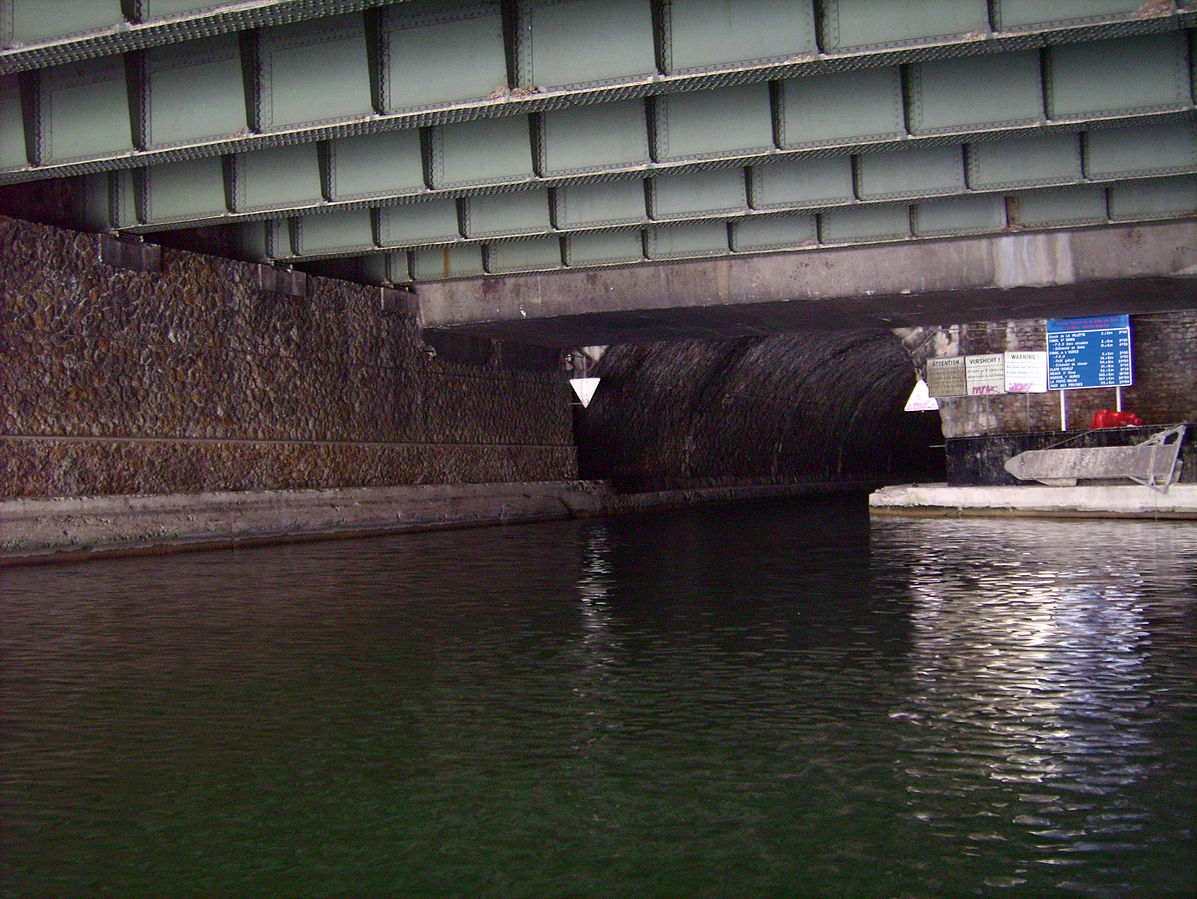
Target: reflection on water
x=1039 y=701
x=768 y=698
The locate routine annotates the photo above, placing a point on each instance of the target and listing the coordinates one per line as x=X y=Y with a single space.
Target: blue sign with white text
x=1088 y=352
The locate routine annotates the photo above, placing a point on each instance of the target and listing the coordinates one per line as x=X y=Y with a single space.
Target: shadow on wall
x=812 y=407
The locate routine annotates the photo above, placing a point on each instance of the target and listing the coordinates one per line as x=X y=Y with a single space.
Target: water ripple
x=765 y=699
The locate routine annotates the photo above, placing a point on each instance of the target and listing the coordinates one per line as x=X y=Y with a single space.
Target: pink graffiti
x=1018 y=388
x=984 y=388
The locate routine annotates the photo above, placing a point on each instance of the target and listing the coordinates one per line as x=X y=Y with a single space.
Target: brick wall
x=194 y=379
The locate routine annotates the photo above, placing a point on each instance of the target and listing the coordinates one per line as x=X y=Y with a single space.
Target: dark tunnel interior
x=815 y=406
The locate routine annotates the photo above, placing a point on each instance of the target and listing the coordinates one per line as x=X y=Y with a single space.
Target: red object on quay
x=1108 y=418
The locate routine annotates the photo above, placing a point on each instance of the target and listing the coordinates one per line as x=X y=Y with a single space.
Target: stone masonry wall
x=194 y=379
x=1164 y=370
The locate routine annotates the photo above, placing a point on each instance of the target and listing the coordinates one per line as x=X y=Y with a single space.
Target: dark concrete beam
x=1129 y=268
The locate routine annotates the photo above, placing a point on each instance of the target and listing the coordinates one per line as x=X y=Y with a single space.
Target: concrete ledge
x=68 y=529
x=1131 y=501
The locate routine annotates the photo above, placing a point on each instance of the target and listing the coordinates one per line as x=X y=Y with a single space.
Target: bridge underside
x=413 y=142
x=769 y=318
x=1124 y=269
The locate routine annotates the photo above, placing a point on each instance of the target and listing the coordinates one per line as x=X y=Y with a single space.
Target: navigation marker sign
x=1088 y=352
x=584 y=388
x=920 y=399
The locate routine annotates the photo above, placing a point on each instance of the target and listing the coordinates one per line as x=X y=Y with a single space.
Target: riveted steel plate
x=594 y=137
x=1039 y=160
x=959 y=215
x=194 y=92
x=437 y=53
x=489 y=150
x=12 y=125
x=732 y=120
x=906 y=173
x=604 y=247
x=584 y=42
x=386 y=268
x=527 y=100
x=35 y=21
x=181 y=191
x=698 y=194
x=773 y=232
x=1123 y=75
x=440 y=263
x=525 y=212
x=528 y=254
x=1059 y=206
x=85 y=110
x=1148 y=150
x=278 y=178
x=794 y=183
x=1024 y=13
x=688 y=240
x=314 y=71
x=433 y=221
x=1158 y=198
x=841 y=108
x=864 y=223
x=703 y=34
x=858 y=24
x=172 y=26
x=332 y=233
x=609 y=203
x=376 y=165
x=975 y=92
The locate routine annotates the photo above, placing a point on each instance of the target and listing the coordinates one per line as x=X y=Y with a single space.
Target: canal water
x=759 y=699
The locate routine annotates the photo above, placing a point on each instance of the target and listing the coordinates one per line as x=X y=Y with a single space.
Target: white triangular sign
x=584 y=388
x=920 y=400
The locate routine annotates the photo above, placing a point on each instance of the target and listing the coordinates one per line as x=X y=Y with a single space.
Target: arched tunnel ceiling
x=414 y=142
x=809 y=406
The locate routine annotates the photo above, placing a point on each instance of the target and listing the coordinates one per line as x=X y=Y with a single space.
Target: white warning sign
x=1026 y=372
x=945 y=377
x=985 y=375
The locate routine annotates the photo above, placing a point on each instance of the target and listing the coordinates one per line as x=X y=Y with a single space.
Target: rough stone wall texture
x=194 y=379
x=1163 y=357
x=819 y=406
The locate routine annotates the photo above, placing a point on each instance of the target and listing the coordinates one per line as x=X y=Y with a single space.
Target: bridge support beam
x=1125 y=269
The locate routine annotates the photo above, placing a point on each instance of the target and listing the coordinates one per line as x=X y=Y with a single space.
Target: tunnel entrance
x=813 y=407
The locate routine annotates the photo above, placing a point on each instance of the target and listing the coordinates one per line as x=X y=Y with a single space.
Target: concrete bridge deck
x=1123 y=268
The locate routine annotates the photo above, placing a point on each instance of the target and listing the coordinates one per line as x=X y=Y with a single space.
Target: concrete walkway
x=69 y=529
x=1131 y=501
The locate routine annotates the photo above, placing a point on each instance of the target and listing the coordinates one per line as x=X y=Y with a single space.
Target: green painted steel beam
x=1149 y=200
x=433 y=139
x=416 y=63
x=977 y=173
x=336 y=235
x=39 y=33
x=79 y=109
x=345 y=175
